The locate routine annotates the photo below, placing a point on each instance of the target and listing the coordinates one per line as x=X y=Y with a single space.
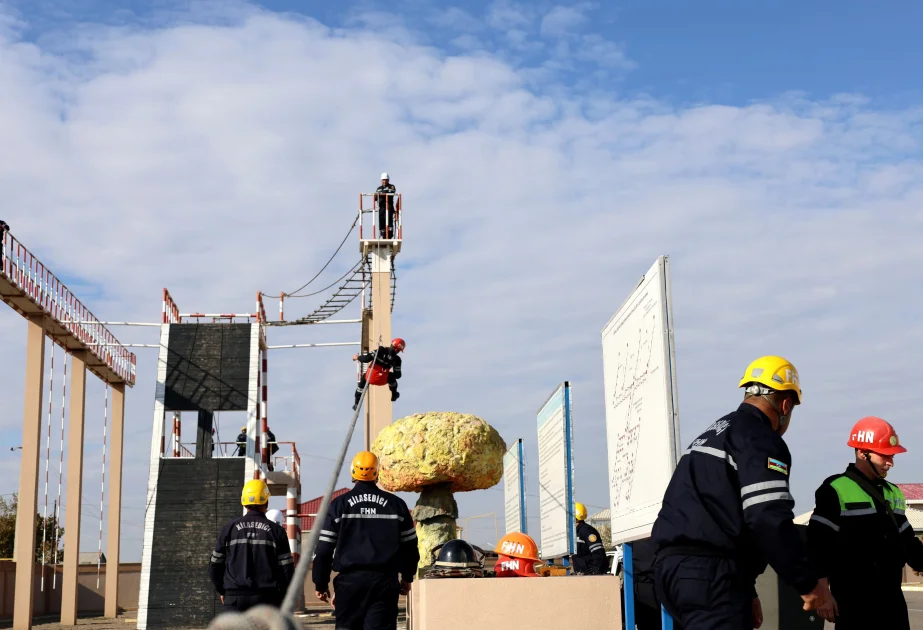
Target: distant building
x=308 y=510
x=91 y=557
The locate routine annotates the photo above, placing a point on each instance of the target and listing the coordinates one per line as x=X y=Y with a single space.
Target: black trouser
x=366 y=600
x=392 y=385
x=870 y=607
x=243 y=602
x=704 y=592
x=386 y=222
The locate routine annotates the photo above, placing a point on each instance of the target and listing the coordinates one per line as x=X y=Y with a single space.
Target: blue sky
x=735 y=52
x=548 y=153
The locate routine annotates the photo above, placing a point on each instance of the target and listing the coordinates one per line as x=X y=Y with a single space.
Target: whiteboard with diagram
x=642 y=420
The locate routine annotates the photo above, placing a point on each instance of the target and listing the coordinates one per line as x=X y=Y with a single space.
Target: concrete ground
x=318 y=621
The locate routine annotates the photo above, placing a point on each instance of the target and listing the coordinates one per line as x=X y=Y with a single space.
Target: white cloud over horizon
x=219 y=160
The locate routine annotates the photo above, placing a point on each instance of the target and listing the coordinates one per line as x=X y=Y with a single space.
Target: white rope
x=102 y=486
x=57 y=516
x=47 y=463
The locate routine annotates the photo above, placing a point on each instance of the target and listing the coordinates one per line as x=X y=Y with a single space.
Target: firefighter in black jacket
x=856 y=542
x=385 y=198
x=368 y=538
x=727 y=510
x=252 y=563
x=385 y=370
x=590 y=558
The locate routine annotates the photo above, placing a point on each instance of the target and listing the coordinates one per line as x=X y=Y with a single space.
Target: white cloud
x=507 y=15
x=563 y=20
x=218 y=160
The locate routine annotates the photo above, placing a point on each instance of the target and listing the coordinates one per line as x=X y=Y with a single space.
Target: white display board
x=556 y=474
x=642 y=422
x=514 y=489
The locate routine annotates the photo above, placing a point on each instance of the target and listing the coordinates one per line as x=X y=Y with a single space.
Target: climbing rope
x=102 y=486
x=47 y=461
x=57 y=516
x=305 y=285
x=267 y=617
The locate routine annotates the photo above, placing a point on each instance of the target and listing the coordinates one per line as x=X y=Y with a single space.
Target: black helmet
x=457 y=554
x=456 y=559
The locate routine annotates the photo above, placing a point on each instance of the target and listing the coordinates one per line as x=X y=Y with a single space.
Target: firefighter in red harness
x=385 y=370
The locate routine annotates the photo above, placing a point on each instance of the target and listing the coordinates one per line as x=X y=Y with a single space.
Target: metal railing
x=46 y=291
x=290 y=463
x=371 y=226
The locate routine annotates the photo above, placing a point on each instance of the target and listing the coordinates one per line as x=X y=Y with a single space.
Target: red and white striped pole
x=291 y=508
x=176 y=434
x=264 y=404
x=57 y=516
x=102 y=486
x=47 y=461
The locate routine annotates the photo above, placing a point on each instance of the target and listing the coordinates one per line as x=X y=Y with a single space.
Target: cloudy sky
x=548 y=153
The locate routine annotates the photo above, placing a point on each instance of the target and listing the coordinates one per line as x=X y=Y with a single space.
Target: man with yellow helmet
x=252 y=562
x=590 y=558
x=369 y=539
x=728 y=509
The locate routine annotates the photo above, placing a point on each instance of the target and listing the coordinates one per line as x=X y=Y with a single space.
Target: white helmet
x=277 y=516
x=385 y=176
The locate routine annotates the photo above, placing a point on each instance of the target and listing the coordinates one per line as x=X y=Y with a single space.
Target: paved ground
x=324 y=621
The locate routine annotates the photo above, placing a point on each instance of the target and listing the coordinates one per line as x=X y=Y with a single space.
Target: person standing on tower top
x=385 y=196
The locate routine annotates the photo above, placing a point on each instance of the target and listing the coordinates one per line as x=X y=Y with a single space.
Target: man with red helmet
x=385 y=369
x=859 y=511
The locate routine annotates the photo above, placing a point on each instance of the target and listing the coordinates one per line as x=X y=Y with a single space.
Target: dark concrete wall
x=195 y=499
x=208 y=367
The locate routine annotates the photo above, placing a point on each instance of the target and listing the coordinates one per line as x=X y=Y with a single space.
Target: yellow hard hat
x=365 y=466
x=774 y=373
x=256 y=492
x=243 y=429
x=580 y=511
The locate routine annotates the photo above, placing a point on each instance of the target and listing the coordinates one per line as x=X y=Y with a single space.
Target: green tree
x=54 y=535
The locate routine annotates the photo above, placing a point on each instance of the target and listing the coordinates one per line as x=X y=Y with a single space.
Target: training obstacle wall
x=187 y=521
x=203 y=368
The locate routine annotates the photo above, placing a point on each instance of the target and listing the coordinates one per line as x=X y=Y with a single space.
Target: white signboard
x=514 y=489
x=556 y=474
x=642 y=423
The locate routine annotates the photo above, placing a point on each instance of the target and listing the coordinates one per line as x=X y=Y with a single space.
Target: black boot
x=395 y=395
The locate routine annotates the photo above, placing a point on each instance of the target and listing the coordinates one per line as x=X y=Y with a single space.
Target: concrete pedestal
x=552 y=602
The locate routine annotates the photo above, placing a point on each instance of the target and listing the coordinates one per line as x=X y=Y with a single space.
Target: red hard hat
x=875 y=435
x=508 y=566
x=398 y=344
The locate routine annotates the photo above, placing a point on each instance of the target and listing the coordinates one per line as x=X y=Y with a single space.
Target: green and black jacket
x=852 y=539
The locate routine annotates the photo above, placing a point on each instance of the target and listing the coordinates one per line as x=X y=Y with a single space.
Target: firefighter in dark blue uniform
x=385 y=198
x=252 y=563
x=857 y=541
x=386 y=369
x=728 y=509
x=590 y=558
x=368 y=538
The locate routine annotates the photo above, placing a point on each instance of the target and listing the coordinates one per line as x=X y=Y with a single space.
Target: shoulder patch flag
x=592 y=537
x=776 y=465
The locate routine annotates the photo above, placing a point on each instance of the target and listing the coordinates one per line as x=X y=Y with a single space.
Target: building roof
x=912 y=491
x=308 y=509
x=603 y=516
x=91 y=557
